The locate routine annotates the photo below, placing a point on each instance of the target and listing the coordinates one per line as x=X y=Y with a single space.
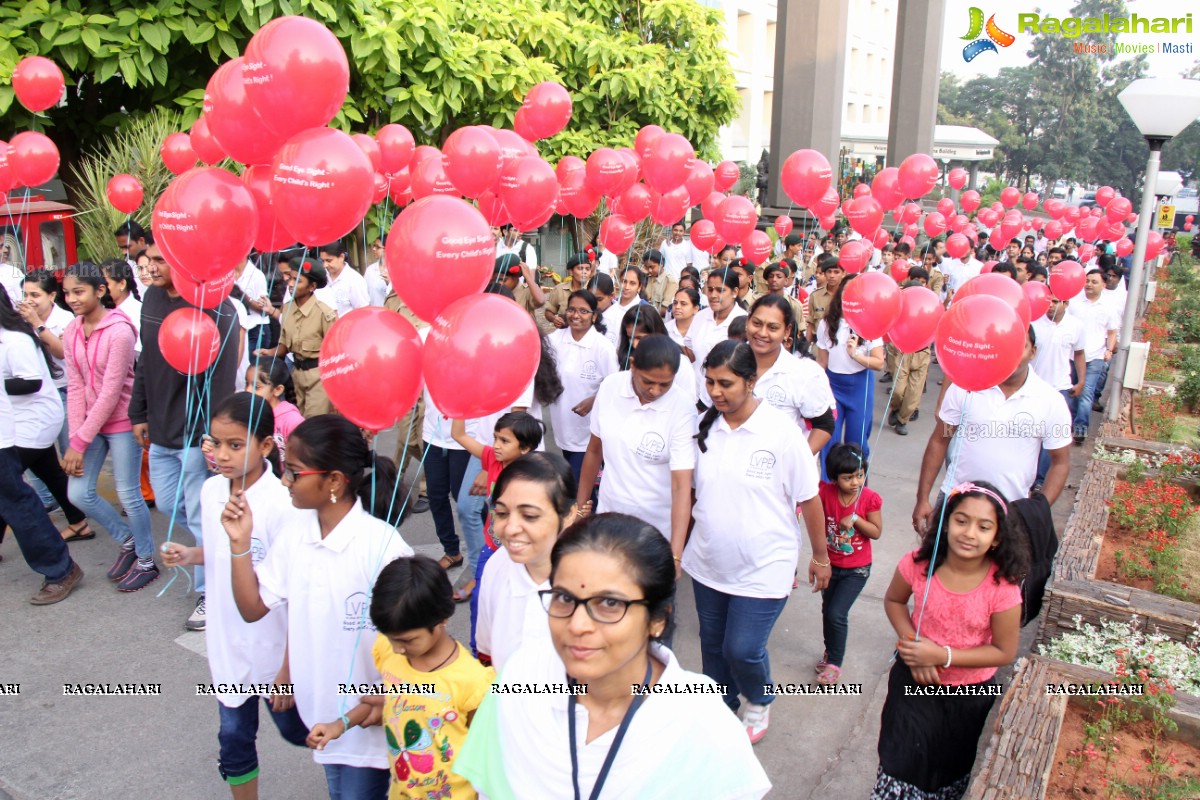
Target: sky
x=1162 y=65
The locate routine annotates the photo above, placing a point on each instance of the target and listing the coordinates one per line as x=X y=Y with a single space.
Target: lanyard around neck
x=612 y=750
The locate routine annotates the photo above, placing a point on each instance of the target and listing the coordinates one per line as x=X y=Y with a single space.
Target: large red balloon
x=189 y=340
x=547 y=109
x=806 y=176
x=783 y=225
x=920 y=312
x=465 y=344
x=1053 y=229
x=371 y=367
x=1055 y=208
x=209 y=222
x=429 y=178
x=854 y=256
x=616 y=233
x=1010 y=196
x=371 y=148
x=736 y=218
x=1104 y=196
x=396 y=147
x=945 y=207
x=669 y=208
x=1030 y=201
x=579 y=200
x=439 y=249
x=33 y=158
x=980 y=341
x=725 y=176
x=471 y=160
x=957 y=178
x=703 y=234
x=669 y=162
x=711 y=205
x=757 y=247
x=1125 y=246
x=969 y=200
x=957 y=245
x=270 y=234
x=1038 y=295
x=322 y=184
x=1154 y=245
x=125 y=193
x=918 y=174
x=207 y=148
x=999 y=285
x=1067 y=279
x=568 y=166
x=885 y=187
x=634 y=203
x=203 y=294
x=935 y=224
x=700 y=182
x=1118 y=209
x=605 y=171
x=871 y=304
x=233 y=120
x=645 y=139
x=296 y=75
x=827 y=205
x=38 y=83
x=865 y=215
x=528 y=189
x=6 y=174
x=177 y=153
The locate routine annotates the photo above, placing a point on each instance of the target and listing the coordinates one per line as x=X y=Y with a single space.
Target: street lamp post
x=1161 y=108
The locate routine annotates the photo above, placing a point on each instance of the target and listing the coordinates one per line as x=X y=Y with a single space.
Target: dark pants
x=1044 y=457
x=41 y=544
x=238 y=756
x=444 y=470
x=575 y=459
x=44 y=464
x=257 y=338
x=836 y=599
x=481 y=559
x=357 y=783
x=733 y=642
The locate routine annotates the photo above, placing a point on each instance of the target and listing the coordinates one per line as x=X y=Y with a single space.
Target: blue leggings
x=855 y=396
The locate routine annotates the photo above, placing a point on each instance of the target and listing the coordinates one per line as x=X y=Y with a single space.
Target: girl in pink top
x=964 y=625
x=98 y=348
x=269 y=379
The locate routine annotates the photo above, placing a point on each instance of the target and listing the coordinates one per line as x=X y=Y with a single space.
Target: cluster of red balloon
x=30 y=158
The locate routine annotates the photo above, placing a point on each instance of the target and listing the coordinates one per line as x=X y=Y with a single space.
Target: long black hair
x=643 y=318
x=740 y=359
x=274 y=372
x=1011 y=550
x=47 y=281
x=118 y=269
x=833 y=317
x=10 y=320
x=255 y=415
x=547 y=386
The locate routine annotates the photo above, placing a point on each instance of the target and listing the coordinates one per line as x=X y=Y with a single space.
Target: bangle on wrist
x=948 y=657
x=819 y=564
x=239 y=555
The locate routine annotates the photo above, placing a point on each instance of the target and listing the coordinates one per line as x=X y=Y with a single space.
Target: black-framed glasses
x=579 y=312
x=602 y=608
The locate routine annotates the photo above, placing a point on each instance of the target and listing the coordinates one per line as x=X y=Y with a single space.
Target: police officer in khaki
x=305 y=322
x=528 y=294
x=660 y=284
x=581 y=267
x=818 y=301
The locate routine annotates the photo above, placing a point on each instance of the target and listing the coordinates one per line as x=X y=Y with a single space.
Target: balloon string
x=882 y=423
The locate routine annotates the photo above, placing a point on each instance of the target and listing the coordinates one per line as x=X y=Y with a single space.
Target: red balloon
x=1085 y=253
x=1189 y=218
x=6 y=174
x=616 y=234
x=1054 y=229
x=578 y=199
x=935 y=224
x=1036 y=223
x=471 y=160
x=492 y=209
x=987 y=267
x=920 y=312
x=1118 y=209
x=430 y=178
x=980 y=341
x=1038 y=294
x=918 y=174
x=900 y=269
x=209 y=222
x=908 y=240
x=736 y=218
x=233 y=119
x=370 y=147
x=1010 y=196
x=885 y=187
x=881 y=238
x=322 y=184
x=861 y=190
x=1187 y=226
x=296 y=75
x=207 y=148
x=854 y=256
x=270 y=235
x=910 y=231
x=189 y=340
x=568 y=166
x=1071 y=215
x=528 y=188
x=957 y=179
x=1030 y=201
x=645 y=139
x=1124 y=246
x=605 y=171
x=203 y=294
x=1104 y=196
x=634 y=203
x=464 y=346
x=522 y=127
x=757 y=247
x=669 y=208
x=439 y=250
x=1086 y=228
x=396 y=147
x=957 y=245
x=871 y=304
x=1010 y=225
x=806 y=176
x=725 y=176
x=547 y=109
x=711 y=205
x=380 y=189
x=633 y=170
x=999 y=285
x=700 y=182
x=177 y=153
x=865 y=215
x=124 y=191
x=1154 y=245
x=371 y=367
x=827 y=205
x=38 y=83
x=945 y=207
x=969 y=200
x=703 y=233
x=1055 y=208
x=669 y=162
x=783 y=226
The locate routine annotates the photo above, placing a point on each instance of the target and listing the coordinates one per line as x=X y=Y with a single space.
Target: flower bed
x=1146 y=535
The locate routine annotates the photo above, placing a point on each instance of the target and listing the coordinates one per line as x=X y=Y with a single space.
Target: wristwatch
x=39 y=329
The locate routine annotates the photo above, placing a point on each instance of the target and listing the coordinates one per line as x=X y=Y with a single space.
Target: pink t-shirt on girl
x=959 y=619
x=99 y=377
x=287 y=417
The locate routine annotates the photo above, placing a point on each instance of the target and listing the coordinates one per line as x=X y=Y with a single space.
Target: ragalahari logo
x=994 y=37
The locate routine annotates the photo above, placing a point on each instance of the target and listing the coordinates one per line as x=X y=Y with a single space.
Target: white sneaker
x=196 y=621
x=756 y=718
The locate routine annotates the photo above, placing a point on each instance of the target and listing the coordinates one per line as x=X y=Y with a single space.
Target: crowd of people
x=709 y=416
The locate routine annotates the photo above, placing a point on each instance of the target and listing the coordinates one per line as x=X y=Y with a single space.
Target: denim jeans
x=836 y=599
x=63 y=441
x=41 y=544
x=43 y=462
x=357 y=783
x=575 y=459
x=1082 y=407
x=471 y=510
x=483 y=554
x=444 y=469
x=1044 y=457
x=257 y=338
x=237 y=756
x=855 y=398
x=177 y=476
x=127 y=474
x=733 y=642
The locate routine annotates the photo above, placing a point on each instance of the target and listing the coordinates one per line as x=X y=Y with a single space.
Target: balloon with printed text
x=980 y=341
x=371 y=367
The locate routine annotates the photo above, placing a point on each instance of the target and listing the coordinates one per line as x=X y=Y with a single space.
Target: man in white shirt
x=1115 y=293
x=1059 y=341
x=676 y=250
x=510 y=241
x=250 y=290
x=347 y=289
x=959 y=271
x=379 y=283
x=1099 y=322
x=1004 y=431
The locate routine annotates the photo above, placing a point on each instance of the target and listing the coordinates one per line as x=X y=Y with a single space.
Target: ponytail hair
x=255 y=415
x=118 y=269
x=740 y=359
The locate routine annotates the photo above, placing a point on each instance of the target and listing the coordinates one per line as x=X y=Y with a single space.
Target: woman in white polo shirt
x=629 y=295
x=742 y=555
x=795 y=385
x=584 y=358
x=662 y=742
x=642 y=429
x=711 y=325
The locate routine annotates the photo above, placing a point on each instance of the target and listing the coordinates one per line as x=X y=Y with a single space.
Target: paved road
x=68 y=748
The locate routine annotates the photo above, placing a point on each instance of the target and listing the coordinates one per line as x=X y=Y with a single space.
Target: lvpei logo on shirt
x=977 y=44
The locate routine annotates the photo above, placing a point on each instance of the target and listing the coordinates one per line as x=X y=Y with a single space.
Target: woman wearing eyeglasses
x=628 y=720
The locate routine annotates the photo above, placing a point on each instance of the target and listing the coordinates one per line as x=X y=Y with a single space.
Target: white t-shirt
x=707 y=333
x=241 y=652
x=1056 y=346
x=678 y=744
x=750 y=548
x=378 y=284
x=8 y=428
x=796 y=387
x=1116 y=298
x=12 y=280
x=1097 y=319
x=582 y=366
x=683 y=340
x=530 y=253
x=346 y=292
x=1004 y=437
x=608 y=263
x=38 y=416
x=957 y=273
x=676 y=256
x=643 y=445
x=253 y=284
x=56 y=323
x=133 y=309
x=839 y=360
x=327 y=585
x=613 y=316
x=510 y=611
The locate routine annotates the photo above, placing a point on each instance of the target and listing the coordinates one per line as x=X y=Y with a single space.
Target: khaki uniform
x=937 y=280
x=303 y=330
x=524 y=299
x=797 y=311
x=892 y=357
x=416 y=415
x=393 y=303
x=556 y=299
x=660 y=291
x=818 y=304
x=910 y=385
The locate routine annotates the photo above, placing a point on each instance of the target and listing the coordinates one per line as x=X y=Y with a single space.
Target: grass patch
x=1186 y=430
x=1189 y=558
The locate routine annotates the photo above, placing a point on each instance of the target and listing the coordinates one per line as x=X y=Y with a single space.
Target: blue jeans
x=41 y=544
x=855 y=398
x=836 y=599
x=575 y=459
x=63 y=440
x=127 y=474
x=444 y=469
x=357 y=783
x=177 y=475
x=471 y=510
x=1044 y=457
x=733 y=642
x=1096 y=370
x=257 y=338
x=238 y=757
x=481 y=560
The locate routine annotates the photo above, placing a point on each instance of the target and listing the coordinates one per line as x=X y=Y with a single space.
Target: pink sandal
x=830 y=675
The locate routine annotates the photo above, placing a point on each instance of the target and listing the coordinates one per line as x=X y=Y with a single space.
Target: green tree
x=431 y=65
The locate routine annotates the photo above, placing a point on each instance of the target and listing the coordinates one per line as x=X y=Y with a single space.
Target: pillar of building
x=973 y=171
x=915 y=78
